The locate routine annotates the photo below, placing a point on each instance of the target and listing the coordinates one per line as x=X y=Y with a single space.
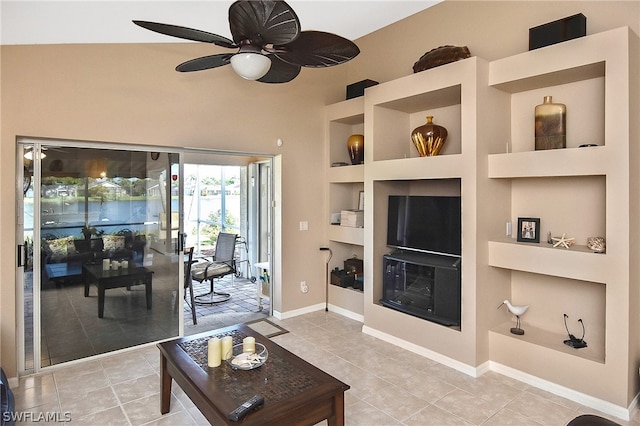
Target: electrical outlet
x=304 y=225
x=304 y=287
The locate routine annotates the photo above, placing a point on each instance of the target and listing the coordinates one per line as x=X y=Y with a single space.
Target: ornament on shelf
x=440 y=56
x=429 y=138
x=550 y=125
x=355 y=146
x=596 y=244
x=563 y=241
x=517 y=310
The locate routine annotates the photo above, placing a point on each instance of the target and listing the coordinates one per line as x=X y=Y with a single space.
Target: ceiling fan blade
x=187 y=33
x=317 y=49
x=263 y=22
x=280 y=72
x=205 y=63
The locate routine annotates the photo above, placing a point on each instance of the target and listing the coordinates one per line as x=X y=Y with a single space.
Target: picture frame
x=361 y=200
x=529 y=229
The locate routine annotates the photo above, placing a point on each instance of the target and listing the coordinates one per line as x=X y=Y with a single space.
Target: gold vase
x=355 y=146
x=429 y=138
x=551 y=125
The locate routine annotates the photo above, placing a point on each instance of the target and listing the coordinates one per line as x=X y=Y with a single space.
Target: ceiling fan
x=271 y=48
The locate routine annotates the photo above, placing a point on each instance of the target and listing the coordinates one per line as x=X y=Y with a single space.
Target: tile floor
x=72 y=330
x=389 y=385
x=243 y=299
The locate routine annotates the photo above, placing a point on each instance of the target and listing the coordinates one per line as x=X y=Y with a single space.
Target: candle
x=106 y=264
x=124 y=264
x=249 y=344
x=115 y=265
x=227 y=344
x=213 y=356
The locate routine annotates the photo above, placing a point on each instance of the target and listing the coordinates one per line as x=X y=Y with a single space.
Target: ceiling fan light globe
x=250 y=66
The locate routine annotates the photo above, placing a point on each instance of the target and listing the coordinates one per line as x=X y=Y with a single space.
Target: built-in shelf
x=490 y=160
x=346 y=234
x=399 y=106
x=545 y=339
x=550 y=163
x=577 y=262
x=343 y=119
x=346 y=174
x=594 y=82
x=345 y=183
x=438 y=167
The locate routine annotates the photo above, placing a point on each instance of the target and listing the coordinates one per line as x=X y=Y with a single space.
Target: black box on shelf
x=557 y=31
x=357 y=89
x=341 y=278
x=353 y=266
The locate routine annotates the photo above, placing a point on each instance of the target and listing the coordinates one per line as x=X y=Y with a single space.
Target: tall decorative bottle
x=551 y=125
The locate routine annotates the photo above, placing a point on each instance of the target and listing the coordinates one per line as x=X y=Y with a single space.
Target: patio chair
x=188 y=282
x=222 y=264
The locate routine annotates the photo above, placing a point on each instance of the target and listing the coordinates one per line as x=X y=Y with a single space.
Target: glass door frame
x=175 y=169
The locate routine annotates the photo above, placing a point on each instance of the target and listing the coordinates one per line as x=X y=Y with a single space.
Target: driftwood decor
x=440 y=56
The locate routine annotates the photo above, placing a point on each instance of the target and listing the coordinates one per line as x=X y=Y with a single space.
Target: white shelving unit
x=594 y=82
x=490 y=160
x=345 y=183
x=455 y=95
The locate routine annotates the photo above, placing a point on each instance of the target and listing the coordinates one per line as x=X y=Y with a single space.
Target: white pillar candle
x=249 y=345
x=214 y=357
x=227 y=345
x=115 y=265
x=106 y=264
x=124 y=264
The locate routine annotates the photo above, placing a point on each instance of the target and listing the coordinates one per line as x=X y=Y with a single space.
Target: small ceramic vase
x=355 y=146
x=429 y=138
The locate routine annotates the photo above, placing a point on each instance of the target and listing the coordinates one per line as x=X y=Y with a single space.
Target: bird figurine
x=516 y=310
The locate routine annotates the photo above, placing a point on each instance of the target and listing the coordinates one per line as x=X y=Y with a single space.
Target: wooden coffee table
x=294 y=391
x=123 y=277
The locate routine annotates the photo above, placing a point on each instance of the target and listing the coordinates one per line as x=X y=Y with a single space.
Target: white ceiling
x=93 y=21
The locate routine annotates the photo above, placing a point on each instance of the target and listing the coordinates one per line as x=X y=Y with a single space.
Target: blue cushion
x=7 y=403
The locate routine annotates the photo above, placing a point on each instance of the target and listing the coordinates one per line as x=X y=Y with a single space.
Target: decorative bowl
x=247 y=361
x=596 y=244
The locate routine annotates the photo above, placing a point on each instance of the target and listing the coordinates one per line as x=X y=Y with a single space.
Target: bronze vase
x=355 y=146
x=429 y=138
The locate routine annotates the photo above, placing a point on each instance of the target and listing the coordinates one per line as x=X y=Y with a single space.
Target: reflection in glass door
x=103 y=225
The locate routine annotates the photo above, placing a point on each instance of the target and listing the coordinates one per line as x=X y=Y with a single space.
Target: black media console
x=427 y=286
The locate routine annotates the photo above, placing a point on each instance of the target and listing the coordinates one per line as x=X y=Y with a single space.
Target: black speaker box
x=558 y=31
x=357 y=89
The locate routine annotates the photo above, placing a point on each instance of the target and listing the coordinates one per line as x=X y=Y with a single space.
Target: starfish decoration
x=563 y=241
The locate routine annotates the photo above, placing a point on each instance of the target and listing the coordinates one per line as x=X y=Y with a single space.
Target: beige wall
x=130 y=94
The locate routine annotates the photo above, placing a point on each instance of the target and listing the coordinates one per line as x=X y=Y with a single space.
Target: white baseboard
x=579 y=397
x=346 y=313
x=319 y=307
x=442 y=359
x=301 y=311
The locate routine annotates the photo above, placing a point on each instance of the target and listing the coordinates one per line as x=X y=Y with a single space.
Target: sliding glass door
x=101 y=258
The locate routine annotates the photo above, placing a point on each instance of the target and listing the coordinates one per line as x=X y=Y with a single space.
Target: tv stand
x=424 y=285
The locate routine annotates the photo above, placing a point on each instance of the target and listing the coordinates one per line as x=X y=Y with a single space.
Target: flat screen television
x=430 y=224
